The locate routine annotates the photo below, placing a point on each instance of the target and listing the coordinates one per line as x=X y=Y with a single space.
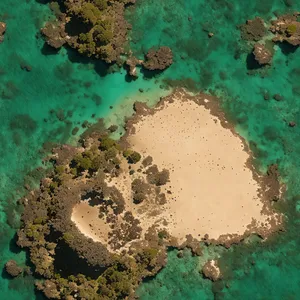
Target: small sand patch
x=86 y=218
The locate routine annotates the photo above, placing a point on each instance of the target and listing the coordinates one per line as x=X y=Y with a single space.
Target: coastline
x=263 y=221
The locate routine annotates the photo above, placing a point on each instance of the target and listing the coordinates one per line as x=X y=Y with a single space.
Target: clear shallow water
x=65 y=82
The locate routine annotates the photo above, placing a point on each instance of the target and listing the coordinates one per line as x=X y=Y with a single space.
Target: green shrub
x=98 y=162
x=107 y=143
x=39 y=220
x=103 y=32
x=291 y=29
x=101 y=4
x=132 y=156
x=68 y=237
x=147 y=256
x=83 y=162
x=111 y=153
x=53 y=186
x=59 y=170
x=90 y=13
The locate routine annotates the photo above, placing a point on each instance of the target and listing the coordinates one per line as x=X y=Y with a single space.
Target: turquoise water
x=63 y=90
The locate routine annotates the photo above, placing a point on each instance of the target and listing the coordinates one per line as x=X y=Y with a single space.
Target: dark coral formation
x=262 y=55
x=253 y=30
x=287 y=29
x=158 y=59
x=94 y=28
x=155 y=60
x=211 y=270
x=2 y=31
x=12 y=268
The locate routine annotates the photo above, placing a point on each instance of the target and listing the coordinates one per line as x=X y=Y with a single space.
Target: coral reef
x=262 y=55
x=158 y=59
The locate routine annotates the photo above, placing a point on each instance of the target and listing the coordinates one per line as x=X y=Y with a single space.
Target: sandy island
x=213 y=190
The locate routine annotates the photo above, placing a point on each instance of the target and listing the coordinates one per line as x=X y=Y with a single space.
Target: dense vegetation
x=79 y=175
x=94 y=28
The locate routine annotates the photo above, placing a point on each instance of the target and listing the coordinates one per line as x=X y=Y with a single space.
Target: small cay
x=180 y=175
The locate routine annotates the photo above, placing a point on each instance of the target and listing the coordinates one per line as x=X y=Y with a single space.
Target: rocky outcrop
x=287 y=29
x=159 y=59
x=55 y=34
x=2 y=31
x=13 y=269
x=262 y=55
x=131 y=63
x=211 y=270
x=253 y=30
x=192 y=244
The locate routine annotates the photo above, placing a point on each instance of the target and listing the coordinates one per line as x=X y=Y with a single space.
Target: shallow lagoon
x=62 y=91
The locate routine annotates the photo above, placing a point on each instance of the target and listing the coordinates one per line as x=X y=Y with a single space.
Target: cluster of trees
x=140 y=190
x=97 y=24
x=159 y=178
x=53 y=204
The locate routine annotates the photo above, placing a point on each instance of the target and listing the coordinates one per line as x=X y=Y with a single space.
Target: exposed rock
x=287 y=29
x=292 y=124
x=13 y=269
x=158 y=59
x=2 y=31
x=253 y=30
x=211 y=270
x=132 y=62
x=55 y=34
x=262 y=55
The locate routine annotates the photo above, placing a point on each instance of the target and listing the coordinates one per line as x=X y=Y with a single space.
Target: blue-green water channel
x=63 y=90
